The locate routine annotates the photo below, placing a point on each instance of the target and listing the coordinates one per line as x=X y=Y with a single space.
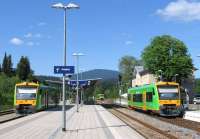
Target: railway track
x=154 y=126
x=182 y=123
x=142 y=127
x=7 y=112
x=172 y=120
x=9 y=115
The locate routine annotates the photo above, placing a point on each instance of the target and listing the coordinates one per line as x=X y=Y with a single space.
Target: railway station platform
x=192 y=115
x=91 y=122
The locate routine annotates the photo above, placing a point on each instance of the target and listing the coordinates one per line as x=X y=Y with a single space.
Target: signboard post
x=65 y=70
x=81 y=84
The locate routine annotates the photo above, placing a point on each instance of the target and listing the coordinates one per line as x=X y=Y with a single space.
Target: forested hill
x=98 y=73
x=91 y=74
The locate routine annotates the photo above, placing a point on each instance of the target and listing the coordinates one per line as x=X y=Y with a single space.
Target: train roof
x=27 y=84
x=34 y=84
x=152 y=85
x=142 y=87
x=167 y=83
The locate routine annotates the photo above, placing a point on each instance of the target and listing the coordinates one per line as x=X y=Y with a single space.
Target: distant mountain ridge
x=91 y=74
x=98 y=73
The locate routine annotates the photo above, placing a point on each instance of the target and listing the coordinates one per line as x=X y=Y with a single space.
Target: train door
x=46 y=99
x=144 y=100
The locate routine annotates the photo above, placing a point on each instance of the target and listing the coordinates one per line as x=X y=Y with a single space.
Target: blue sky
x=104 y=30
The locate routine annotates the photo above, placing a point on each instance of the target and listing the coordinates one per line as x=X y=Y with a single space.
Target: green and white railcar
x=162 y=98
x=31 y=97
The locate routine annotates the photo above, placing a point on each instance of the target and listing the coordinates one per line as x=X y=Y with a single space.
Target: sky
x=104 y=30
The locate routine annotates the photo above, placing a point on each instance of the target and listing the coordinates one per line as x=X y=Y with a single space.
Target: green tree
x=24 y=69
x=169 y=55
x=7 y=65
x=10 y=65
x=98 y=89
x=4 y=64
x=126 y=67
x=0 y=68
x=197 y=86
x=7 y=86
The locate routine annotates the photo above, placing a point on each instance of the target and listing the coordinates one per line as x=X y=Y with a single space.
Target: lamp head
x=72 y=6
x=58 y=6
x=68 y=6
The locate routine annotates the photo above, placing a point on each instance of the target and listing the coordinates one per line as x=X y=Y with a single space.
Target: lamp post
x=161 y=76
x=82 y=89
x=176 y=76
x=77 y=55
x=65 y=8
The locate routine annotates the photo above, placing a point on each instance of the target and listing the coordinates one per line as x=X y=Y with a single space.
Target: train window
x=129 y=97
x=134 y=97
x=137 y=97
x=149 y=96
x=153 y=91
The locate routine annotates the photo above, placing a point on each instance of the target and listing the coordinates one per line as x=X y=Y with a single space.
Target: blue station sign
x=64 y=69
x=80 y=83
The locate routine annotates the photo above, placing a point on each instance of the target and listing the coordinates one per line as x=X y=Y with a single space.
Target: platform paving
x=192 y=115
x=91 y=122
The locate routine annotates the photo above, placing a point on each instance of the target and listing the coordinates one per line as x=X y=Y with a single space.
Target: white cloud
x=181 y=10
x=28 y=35
x=129 y=42
x=37 y=43
x=42 y=24
x=124 y=34
x=30 y=43
x=16 y=41
x=31 y=35
x=38 y=35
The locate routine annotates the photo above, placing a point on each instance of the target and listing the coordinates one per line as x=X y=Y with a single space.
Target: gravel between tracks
x=146 y=132
x=9 y=117
x=177 y=131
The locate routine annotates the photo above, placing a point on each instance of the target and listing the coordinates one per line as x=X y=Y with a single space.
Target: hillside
x=91 y=74
x=99 y=73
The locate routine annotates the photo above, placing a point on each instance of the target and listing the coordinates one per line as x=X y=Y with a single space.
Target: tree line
x=165 y=57
x=9 y=76
x=22 y=71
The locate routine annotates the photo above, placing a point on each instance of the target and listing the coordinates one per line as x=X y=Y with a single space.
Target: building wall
x=144 y=79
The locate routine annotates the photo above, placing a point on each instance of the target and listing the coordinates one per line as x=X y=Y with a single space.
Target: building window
x=129 y=97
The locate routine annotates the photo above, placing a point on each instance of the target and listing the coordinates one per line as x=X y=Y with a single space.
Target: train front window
x=27 y=93
x=168 y=92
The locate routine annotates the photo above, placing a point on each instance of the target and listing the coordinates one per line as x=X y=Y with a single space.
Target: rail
x=7 y=112
x=128 y=120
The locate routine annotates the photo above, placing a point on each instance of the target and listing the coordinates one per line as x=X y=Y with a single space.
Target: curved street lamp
x=176 y=76
x=65 y=8
x=77 y=55
x=161 y=74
